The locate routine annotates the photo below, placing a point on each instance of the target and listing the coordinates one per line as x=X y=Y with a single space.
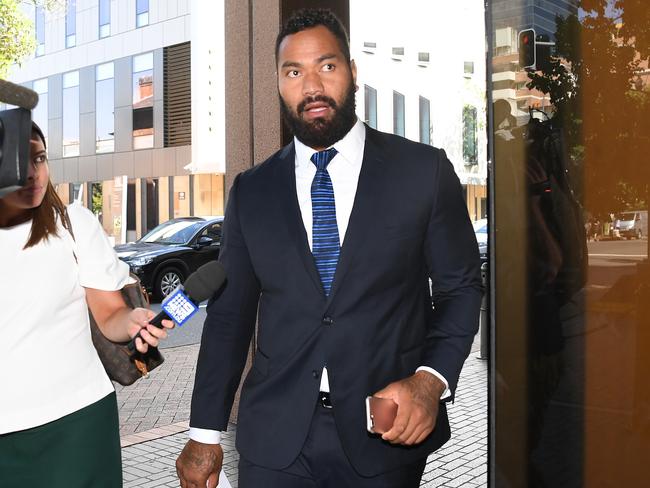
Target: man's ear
x=353 y=70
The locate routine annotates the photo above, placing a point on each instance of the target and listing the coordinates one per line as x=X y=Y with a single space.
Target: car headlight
x=125 y=254
x=140 y=261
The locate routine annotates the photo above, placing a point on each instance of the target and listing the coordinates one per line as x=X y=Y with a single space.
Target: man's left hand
x=417 y=399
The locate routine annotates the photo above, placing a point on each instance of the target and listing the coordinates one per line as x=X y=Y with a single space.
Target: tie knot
x=322 y=158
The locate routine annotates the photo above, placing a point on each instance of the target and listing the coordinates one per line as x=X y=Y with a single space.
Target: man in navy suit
x=325 y=342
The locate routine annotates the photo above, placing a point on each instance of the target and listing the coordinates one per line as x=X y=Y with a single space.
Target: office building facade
x=425 y=80
x=132 y=105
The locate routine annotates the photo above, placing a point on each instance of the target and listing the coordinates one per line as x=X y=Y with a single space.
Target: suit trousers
x=322 y=463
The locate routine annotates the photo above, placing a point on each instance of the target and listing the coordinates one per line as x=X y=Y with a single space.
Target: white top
x=344 y=170
x=48 y=365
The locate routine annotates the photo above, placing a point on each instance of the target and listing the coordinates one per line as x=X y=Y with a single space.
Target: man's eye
x=294 y=73
x=328 y=67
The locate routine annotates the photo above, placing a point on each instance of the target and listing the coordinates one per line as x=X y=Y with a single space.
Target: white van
x=631 y=224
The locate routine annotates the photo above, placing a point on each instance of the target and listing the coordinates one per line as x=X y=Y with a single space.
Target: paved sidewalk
x=163 y=398
x=154 y=414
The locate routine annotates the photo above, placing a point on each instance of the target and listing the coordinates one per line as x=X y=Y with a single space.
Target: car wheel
x=167 y=281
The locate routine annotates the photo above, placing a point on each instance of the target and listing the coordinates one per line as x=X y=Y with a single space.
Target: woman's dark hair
x=313 y=17
x=51 y=210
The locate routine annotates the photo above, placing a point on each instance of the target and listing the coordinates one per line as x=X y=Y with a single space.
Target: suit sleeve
x=453 y=263
x=228 y=327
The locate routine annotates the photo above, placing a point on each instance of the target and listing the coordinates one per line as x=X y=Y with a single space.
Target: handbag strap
x=67 y=225
x=65 y=220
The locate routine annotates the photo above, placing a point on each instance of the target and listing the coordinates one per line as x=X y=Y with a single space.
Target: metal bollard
x=484 y=319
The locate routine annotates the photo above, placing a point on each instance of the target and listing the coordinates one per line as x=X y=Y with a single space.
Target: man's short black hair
x=313 y=17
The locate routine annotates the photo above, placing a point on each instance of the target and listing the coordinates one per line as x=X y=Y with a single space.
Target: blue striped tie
x=325 y=232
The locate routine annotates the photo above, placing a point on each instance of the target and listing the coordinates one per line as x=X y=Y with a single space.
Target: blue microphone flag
x=179 y=307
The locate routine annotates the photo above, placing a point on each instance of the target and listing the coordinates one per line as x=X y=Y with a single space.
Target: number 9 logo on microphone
x=179 y=307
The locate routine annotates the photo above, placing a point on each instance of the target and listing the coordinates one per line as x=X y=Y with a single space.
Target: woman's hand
x=150 y=335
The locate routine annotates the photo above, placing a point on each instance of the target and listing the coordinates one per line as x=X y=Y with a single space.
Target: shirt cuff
x=445 y=394
x=205 y=436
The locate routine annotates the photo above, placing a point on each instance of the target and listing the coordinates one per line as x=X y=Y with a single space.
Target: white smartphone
x=380 y=414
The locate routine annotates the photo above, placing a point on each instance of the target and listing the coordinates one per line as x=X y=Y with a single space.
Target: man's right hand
x=199 y=465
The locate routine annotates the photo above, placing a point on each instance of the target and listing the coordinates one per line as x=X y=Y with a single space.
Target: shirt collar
x=350 y=147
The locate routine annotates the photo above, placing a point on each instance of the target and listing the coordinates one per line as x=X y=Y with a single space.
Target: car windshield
x=625 y=216
x=481 y=226
x=179 y=232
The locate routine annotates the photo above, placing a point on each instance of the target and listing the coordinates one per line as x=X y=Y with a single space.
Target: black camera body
x=15 y=133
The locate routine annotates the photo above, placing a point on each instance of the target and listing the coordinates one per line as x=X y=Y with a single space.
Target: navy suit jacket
x=409 y=223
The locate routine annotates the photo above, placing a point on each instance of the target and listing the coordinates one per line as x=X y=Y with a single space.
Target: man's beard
x=320 y=132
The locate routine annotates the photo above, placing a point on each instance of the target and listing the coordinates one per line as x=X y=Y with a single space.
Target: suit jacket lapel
x=364 y=210
x=291 y=212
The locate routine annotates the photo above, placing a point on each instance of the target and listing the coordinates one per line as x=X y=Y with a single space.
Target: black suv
x=168 y=254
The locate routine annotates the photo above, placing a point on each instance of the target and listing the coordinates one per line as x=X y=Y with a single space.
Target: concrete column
x=252 y=110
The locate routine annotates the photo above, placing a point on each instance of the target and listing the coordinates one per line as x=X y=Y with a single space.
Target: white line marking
x=618 y=255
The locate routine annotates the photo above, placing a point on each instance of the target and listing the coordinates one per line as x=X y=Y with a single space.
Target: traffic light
x=543 y=52
x=527 y=55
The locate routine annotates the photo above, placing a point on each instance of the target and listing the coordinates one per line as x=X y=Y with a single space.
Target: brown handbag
x=122 y=366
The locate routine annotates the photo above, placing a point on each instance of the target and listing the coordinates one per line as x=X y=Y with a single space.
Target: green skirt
x=79 y=450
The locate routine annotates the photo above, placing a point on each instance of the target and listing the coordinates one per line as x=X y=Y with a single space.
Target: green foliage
x=97 y=198
x=600 y=100
x=16 y=35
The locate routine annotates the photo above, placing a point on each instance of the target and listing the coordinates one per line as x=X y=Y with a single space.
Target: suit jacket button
x=314 y=373
x=327 y=321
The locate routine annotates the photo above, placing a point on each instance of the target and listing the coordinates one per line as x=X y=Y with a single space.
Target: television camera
x=15 y=132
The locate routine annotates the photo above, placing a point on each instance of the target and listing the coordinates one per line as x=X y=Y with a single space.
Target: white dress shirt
x=344 y=170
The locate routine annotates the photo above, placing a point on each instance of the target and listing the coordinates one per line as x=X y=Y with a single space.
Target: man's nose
x=312 y=84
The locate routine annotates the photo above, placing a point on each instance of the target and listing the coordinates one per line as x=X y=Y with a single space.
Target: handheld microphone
x=183 y=302
x=18 y=95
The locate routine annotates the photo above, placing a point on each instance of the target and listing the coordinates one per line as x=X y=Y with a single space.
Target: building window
x=398 y=114
x=369 y=47
x=104 y=108
x=141 y=13
x=104 y=18
x=71 y=114
x=40 y=113
x=468 y=68
x=470 y=149
x=143 y=101
x=423 y=57
x=39 y=27
x=370 y=97
x=75 y=191
x=177 y=95
x=71 y=24
x=425 y=121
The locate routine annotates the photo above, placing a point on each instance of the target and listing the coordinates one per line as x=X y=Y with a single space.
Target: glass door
x=569 y=96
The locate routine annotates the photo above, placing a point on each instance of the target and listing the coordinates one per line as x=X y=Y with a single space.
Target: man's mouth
x=315 y=108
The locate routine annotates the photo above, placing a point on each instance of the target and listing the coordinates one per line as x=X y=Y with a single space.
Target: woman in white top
x=58 y=410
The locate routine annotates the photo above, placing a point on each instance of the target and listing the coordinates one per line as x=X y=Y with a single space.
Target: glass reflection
x=105 y=108
x=143 y=101
x=70 y=141
x=571 y=137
